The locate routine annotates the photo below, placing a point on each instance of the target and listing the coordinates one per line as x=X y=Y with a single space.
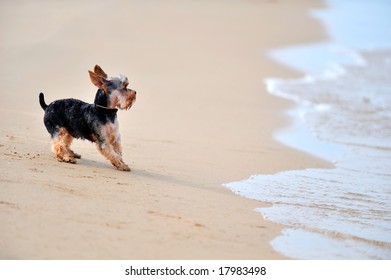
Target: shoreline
x=202 y=119
x=342 y=114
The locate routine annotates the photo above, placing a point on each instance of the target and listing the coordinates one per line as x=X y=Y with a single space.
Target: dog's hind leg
x=61 y=141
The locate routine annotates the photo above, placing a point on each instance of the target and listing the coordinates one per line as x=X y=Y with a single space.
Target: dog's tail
x=42 y=101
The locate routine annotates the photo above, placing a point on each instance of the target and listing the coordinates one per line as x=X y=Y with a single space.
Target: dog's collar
x=106 y=108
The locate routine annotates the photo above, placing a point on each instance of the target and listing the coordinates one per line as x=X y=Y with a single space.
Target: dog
x=66 y=119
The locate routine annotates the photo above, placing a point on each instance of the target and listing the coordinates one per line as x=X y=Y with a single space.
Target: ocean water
x=342 y=114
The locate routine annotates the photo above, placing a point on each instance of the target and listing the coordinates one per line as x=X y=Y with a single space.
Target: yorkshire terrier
x=66 y=119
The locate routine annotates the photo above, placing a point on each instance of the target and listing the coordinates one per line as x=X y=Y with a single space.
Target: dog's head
x=116 y=88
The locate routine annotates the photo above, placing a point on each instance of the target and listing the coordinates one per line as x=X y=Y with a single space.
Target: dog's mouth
x=125 y=102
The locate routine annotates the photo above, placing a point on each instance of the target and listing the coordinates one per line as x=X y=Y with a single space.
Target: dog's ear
x=97 y=80
x=100 y=72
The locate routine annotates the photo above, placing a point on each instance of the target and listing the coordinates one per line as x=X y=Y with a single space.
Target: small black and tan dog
x=66 y=119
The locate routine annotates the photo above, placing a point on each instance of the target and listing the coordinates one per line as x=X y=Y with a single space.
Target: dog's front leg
x=117 y=145
x=108 y=151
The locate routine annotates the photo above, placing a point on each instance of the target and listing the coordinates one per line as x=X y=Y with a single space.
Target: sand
x=202 y=118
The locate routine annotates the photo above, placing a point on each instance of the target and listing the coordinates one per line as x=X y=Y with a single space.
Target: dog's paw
x=67 y=160
x=123 y=167
x=76 y=155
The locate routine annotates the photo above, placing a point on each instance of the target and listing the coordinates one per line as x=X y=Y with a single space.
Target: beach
x=202 y=118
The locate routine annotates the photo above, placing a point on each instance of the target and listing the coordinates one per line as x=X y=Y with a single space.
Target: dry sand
x=202 y=118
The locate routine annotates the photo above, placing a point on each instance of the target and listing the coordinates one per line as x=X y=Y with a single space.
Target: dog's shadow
x=106 y=167
x=158 y=177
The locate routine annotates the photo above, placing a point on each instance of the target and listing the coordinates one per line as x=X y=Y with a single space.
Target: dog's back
x=71 y=114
